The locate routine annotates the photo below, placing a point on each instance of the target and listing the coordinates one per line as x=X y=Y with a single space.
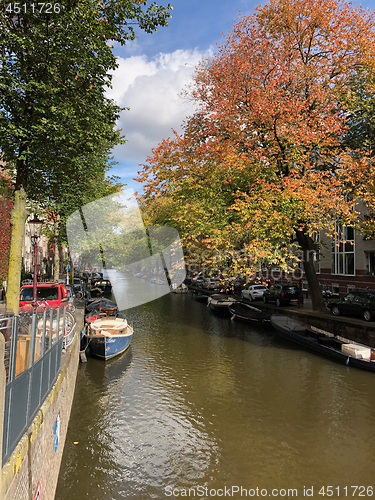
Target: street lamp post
x=35 y=225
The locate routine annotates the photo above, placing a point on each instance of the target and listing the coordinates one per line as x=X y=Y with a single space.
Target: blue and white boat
x=108 y=336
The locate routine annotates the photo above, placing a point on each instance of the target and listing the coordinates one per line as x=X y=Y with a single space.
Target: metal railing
x=6 y=326
x=33 y=348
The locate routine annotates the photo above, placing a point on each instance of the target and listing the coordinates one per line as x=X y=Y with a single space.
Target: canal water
x=204 y=407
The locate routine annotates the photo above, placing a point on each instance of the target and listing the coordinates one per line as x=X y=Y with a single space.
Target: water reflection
x=202 y=400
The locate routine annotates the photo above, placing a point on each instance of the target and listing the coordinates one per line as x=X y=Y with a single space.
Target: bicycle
x=70 y=320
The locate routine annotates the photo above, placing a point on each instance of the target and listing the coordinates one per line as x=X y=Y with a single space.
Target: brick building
x=347 y=261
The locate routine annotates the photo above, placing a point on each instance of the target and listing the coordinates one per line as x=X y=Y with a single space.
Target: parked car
x=360 y=303
x=326 y=292
x=77 y=284
x=282 y=295
x=233 y=285
x=189 y=279
x=198 y=281
x=54 y=294
x=212 y=284
x=253 y=292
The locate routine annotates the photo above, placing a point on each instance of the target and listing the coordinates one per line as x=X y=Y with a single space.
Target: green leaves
x=54 y=70
x=57 y=128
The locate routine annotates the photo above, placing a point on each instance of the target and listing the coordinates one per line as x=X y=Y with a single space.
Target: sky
x=155 y=68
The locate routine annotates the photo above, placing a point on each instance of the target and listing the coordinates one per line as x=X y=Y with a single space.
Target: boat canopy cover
x=100 y=304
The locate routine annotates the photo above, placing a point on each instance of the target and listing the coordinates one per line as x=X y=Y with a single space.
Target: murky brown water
x=202 y=402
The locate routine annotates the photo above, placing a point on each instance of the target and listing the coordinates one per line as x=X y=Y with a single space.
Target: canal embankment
x=351 y=328
x=355 y=329
x=33 y=467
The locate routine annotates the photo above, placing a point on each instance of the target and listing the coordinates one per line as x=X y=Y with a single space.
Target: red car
x=54 y=294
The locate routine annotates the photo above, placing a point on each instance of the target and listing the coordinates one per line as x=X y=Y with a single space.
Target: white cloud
x=150 y=88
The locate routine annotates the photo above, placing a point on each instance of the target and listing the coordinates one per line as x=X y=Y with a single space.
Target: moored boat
x=102 y=305
x=219 y=303
x=248 y=313
x=103 y=284
x=198 y=295
x=93 y=315
x=96 y=292
x=181 y=288
x=342 y=350
x=108 y=337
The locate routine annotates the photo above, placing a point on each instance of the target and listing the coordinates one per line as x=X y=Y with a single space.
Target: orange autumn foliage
x=261 y=160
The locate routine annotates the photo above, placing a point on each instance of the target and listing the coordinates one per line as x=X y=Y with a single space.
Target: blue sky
x=156 y=67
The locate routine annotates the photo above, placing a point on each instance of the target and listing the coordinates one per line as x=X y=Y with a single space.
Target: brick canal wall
x=35 y=462
x=347 y=327
x=344 y=326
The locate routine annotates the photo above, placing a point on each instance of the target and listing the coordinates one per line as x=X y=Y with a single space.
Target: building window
x=335 y=288
x=343 y=247
x=349 y=288
x=316 y=255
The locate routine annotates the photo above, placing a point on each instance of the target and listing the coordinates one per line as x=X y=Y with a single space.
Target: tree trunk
x=56 y=250
x=18 y=220
x=309 y=249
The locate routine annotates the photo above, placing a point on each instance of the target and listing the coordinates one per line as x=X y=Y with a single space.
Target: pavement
x=306 y=307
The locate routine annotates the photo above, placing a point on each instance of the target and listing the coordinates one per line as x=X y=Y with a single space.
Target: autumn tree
x=257 y=164
x=55 y=66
